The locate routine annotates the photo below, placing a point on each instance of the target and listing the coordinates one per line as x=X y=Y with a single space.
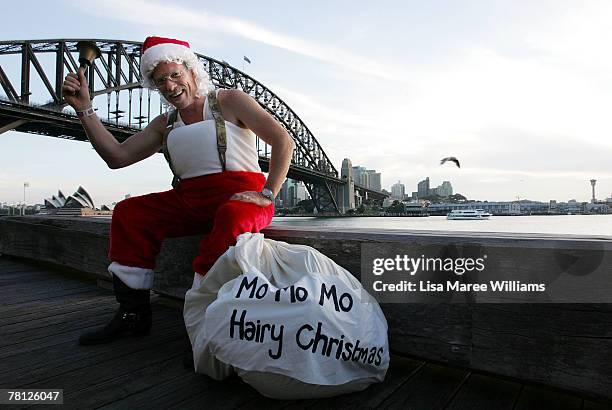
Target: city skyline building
x=444 y=190
x=423 y=188
x=291 y=193
x=361 y=176
x=367 y=178
x=349 y=198
x=375 y=179
x=398 y=190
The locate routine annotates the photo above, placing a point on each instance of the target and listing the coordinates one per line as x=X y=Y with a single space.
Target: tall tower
x=593 y=187
x=423 y=188
x=347 y=190
x=398 y=191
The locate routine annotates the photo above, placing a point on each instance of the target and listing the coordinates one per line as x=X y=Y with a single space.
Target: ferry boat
x=468 y=214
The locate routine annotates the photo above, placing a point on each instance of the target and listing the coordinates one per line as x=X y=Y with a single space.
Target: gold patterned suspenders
x=215 y=108
x=169 y=126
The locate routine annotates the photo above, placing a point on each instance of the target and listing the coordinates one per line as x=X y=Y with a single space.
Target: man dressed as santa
x=209 y=140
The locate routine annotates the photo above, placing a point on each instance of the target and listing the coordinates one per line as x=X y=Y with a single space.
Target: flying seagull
x=453 y=159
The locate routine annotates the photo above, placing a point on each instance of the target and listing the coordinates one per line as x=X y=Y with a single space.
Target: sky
x=519 y=91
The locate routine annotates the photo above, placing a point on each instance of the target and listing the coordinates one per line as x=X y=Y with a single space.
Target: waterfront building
x=404 y=208
x=55 y=202
x=571 y=207
x=538 y=208
x=77 y=204
x=415 y=208
x=80 y=199
x=597 y=208
x=494 y=208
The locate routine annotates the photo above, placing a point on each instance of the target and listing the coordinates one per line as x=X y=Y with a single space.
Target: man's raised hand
x=75 y=90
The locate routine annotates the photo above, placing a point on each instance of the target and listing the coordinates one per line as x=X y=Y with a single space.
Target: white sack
x=289 y=312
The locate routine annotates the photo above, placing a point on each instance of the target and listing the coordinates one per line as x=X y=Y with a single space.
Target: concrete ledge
x=562 y=345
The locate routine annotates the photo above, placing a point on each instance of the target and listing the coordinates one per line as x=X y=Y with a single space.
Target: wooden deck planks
x=99 y=315
x=401 y=370
x=108 y=378
x=59 y=320
x=40 y=325
x=41 y=363
x=432 y=387
x=173 y=383
x=589 y=405
x=481 y=392
x=533 y=397
x=47 y=304
x=87 y=301
x=43 y=296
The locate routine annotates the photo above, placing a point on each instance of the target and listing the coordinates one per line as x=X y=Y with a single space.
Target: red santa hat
x=159 y=49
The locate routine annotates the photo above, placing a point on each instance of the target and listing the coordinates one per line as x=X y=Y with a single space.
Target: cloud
x=576 y=36
x=172 y=16
x=514 y=149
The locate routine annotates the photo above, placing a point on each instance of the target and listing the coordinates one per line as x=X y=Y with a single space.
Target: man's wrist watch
x=87 y=112
x=267 y=193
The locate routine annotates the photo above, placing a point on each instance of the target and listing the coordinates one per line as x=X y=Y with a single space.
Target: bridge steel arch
x=117 y=73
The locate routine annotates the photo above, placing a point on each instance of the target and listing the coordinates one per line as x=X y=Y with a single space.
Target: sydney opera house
x=79 y=203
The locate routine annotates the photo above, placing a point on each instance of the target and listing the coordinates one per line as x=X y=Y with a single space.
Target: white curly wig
x=159 y=49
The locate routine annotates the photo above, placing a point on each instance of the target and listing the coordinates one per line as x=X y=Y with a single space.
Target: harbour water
x=597 y=225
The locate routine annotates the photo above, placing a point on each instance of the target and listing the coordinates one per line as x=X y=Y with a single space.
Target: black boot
x=133 y=316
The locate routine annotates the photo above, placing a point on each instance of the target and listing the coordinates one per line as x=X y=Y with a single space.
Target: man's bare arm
x=116 y=155
x=139 y=146
x=240 y=107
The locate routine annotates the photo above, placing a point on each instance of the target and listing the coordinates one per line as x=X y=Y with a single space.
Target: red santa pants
x=199 y=205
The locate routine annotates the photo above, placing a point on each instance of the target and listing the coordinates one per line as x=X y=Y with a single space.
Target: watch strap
x=88 y=112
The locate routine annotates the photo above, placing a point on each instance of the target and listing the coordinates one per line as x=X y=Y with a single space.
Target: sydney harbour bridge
x=32 y=72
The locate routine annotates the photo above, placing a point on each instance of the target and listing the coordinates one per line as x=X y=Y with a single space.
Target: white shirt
x=193 y=147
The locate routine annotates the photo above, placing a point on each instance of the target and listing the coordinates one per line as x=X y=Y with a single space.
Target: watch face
x=268 y=193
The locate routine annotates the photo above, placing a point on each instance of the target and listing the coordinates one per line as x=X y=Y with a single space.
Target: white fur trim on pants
x=133 y=277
